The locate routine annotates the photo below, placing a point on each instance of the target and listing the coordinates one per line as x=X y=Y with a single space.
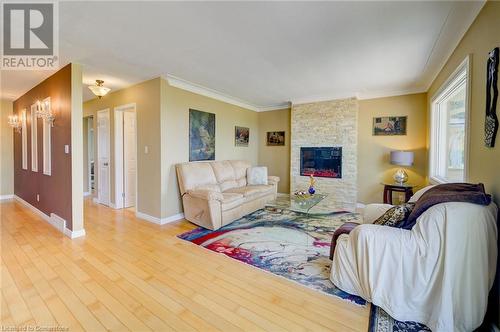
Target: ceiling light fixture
x=99 y=89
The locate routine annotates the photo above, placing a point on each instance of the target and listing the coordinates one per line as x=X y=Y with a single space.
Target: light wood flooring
x=129 y=274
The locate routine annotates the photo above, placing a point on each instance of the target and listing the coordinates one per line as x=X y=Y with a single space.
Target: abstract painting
x=241 y=136
x=389 y=125
x=201 y=135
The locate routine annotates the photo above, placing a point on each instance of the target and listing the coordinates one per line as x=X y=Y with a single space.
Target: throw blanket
x=443 y=193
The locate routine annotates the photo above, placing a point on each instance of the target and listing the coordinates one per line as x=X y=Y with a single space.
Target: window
x=34 y=143
x=449 y=126
x=24 y=140
x=47 y=165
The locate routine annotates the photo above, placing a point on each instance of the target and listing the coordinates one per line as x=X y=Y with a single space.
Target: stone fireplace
x=325 y=136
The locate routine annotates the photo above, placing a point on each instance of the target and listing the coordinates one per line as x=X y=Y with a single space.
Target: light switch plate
x=146 y=149
x=66 y=149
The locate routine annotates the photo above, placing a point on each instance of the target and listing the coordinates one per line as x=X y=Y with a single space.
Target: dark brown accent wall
x=54 y=190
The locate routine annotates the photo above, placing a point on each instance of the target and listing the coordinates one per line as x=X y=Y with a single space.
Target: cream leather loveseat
x=216 y=193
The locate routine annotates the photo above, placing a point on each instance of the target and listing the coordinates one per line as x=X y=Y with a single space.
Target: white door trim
x=119 y=183
x=96 y=169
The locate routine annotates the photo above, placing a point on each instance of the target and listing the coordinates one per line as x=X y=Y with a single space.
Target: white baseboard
x=74 y=234
x=86 y=193
x=54 y=220
x=159 y=221
x=95 y=200
x=173 y=218
x=5 y=197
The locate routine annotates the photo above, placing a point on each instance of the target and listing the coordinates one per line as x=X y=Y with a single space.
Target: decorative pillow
x=372 y=212
x=395 y=215
x=257 y=176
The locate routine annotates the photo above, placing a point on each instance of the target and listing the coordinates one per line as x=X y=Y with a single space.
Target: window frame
x=444 y=90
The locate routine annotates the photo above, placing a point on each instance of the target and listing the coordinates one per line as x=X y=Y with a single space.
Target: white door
x=103 y=179
x=129 y=158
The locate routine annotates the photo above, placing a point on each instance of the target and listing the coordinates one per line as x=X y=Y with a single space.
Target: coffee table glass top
x=297 y=203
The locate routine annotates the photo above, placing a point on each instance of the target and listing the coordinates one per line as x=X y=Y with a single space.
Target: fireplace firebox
x=325 y=162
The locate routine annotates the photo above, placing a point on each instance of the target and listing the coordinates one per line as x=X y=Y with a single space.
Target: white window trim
x=34 y=139
x=24 y=140
x=47 y=141
x=466 y=64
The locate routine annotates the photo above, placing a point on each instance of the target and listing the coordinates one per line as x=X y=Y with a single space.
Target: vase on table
x=311 y=184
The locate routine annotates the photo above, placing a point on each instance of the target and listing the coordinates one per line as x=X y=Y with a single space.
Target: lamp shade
x=402 y=158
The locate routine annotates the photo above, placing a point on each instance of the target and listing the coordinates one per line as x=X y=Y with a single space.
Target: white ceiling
x=262 y=53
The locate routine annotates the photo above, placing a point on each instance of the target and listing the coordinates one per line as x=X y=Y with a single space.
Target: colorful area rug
x=289 y=244
x=295 y=246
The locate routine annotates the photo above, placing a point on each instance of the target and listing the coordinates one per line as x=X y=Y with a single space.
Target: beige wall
x=482 y=37
x=146 y=96
x=484 y=163
x=7 y=150
x=276 y=158
x=175 y=127
x=373 y=151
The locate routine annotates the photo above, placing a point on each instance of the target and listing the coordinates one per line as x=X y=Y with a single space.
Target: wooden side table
x=389 y=188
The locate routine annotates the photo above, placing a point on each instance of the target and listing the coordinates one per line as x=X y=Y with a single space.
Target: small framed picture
x=389 y=125
x=241 y=136
x=275 y=138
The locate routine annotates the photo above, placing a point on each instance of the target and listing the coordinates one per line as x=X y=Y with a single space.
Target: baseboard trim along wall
x=54 y=220
x=5 y=197
x=159 y=221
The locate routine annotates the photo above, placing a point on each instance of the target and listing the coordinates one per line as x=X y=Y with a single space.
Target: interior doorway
x=88 y=156
x=103 y=156
x=125 y=156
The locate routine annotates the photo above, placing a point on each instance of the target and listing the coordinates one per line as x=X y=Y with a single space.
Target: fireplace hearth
x=325 y=162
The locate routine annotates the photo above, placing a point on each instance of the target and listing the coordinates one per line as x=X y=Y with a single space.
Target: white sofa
x=216 y=193
x=439 y=273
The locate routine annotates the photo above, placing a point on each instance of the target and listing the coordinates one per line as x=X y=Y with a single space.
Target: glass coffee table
x=296 y=203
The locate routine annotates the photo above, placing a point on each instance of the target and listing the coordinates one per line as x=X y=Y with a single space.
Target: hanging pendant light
x=99 y=89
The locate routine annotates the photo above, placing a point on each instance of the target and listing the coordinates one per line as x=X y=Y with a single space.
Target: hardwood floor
x=129 y=274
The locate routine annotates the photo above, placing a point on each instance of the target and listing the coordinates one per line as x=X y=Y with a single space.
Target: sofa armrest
x=273 y=179
x=209 y=195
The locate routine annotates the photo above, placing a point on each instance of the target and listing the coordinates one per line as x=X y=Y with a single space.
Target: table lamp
x=401 y=158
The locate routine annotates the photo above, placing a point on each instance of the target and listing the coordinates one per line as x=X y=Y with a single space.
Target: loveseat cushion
x=195 y=175
x=251 y=191
x=224 y=173
x=231 y=200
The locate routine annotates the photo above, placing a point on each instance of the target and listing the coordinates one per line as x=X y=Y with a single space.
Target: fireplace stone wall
x=322 y=124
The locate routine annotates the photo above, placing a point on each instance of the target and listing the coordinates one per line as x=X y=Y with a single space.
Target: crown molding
x=207 y=92
x=386 y=94
x=275 y=107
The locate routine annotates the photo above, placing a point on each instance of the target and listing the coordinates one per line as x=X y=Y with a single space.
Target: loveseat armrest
x=273 y=179
x=209 y=195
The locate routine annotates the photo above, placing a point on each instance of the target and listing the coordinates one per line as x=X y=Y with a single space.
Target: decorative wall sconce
x=15 y=123
x=43 y=111
x=99 y=89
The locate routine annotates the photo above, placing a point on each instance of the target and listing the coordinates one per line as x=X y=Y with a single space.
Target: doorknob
x=105 y=164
